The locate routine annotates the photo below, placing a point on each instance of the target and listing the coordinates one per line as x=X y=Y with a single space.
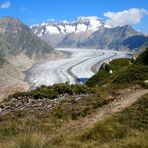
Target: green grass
x=32 y=140
x=74 y=110
x=125 y=129
x=122 y=63
x=120 y=130
x=103 y=76
x=143 y=58
x=119 y=125
x=133 y=74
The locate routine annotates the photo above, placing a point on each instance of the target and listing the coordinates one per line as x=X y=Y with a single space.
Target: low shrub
x=52 y=92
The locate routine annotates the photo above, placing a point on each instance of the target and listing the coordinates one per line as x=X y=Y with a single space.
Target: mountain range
x=86 y=32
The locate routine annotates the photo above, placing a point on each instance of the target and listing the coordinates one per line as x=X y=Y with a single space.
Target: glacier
x=77 y=66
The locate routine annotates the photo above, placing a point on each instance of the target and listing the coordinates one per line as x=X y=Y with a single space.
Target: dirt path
x=126 y=100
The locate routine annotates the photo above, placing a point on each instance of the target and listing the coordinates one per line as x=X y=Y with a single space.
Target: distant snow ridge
x=54 y=32
x=82 y=24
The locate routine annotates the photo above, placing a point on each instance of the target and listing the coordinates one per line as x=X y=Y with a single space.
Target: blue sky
x=37 y=11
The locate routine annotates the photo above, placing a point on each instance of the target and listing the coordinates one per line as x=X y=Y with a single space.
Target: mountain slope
x=111 y=38
x=16 y=38
x=135 y=41
x=19 y=49
x=142 y=58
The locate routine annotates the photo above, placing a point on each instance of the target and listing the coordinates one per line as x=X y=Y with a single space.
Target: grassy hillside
x=34 y=130
x=103 y=76
x=143 y=58
x=125 y=129
x=52 y=116
x=125 y=72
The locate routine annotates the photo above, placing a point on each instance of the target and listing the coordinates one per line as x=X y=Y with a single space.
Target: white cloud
x=5 y=5
x=131 y=16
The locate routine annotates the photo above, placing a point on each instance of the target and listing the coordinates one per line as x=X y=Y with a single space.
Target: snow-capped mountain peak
x=82 y=24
